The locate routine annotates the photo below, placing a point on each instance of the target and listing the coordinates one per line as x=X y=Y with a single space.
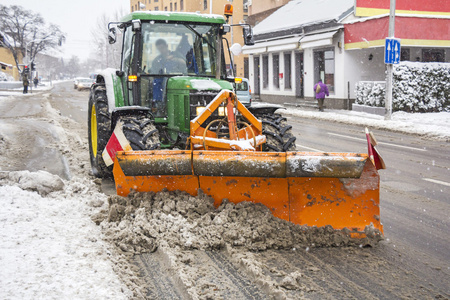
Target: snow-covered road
x=51 y=247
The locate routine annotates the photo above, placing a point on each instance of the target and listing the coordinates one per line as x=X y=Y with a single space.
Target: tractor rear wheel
x=140 y=132
x=278 y=134
x=99 y=131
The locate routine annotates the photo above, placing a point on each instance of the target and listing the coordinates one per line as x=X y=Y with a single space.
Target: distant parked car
x=244 y=92
x=75 y=82
x=84 y=83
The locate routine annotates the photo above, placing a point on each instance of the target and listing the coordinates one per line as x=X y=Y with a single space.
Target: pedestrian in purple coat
x=321 y=89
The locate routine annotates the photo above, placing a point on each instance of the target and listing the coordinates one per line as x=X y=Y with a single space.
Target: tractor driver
x=168 y=62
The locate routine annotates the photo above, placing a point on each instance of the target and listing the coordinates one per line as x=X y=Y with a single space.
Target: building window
x=245 y=6
x=433 y=55
x=181 y=5
x=132 y=9
x=405 y=54
x=156 y=8
x=165 y=8
x=276 y=70
x=171 y=7
x=175 y=6
x=205 y=4
x=287 y=71
x=265 y=71
x=135 y=7
x=324 y=68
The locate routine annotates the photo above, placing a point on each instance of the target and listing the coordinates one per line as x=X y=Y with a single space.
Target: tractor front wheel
x=99 y=131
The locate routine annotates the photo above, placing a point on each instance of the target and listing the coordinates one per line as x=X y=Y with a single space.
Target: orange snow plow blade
x=313 y=189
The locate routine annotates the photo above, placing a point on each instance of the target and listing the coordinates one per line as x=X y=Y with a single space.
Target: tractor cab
x=174 y=64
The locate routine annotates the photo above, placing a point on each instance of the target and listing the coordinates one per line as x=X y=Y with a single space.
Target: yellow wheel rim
x=94 y=130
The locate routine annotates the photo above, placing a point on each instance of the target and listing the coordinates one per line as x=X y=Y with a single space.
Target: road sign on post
x=391 y=56
x=392 y=51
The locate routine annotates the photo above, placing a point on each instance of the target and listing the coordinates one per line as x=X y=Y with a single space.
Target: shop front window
x=433 y=55
x=324 y=68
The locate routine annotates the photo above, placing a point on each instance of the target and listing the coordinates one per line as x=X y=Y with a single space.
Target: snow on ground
x=41 y=87
x=431 y=125
x=49 y=247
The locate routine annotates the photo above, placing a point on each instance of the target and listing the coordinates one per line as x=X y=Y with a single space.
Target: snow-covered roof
x=6 y=38
x=6 y=64
x=298 y=13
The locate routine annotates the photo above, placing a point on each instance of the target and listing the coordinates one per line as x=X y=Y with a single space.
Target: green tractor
x=169 y=118
x=172 y=67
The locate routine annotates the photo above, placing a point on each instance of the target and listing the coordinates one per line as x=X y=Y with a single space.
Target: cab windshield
x=170 y=49
x=179 y=49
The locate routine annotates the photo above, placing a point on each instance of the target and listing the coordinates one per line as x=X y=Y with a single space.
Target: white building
x=308 y=40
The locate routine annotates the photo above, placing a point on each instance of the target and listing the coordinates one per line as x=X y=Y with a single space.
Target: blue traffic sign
x=392 y=51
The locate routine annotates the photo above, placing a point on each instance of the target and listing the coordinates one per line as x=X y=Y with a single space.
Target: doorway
x=299 y=73
x=324 y=68
x=256 y=72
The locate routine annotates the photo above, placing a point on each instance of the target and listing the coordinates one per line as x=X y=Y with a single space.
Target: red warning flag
x=117 y=142
x=374 y=155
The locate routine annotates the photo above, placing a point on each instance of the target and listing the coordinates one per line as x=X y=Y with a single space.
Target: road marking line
x=309 y=148
x=381 y=143
x=437 y=181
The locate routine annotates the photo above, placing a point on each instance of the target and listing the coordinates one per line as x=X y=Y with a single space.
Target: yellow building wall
x=7 y=58
x=239 y=16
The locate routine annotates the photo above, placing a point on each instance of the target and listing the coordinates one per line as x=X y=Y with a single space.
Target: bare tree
x=26 y=33
x=108 y=55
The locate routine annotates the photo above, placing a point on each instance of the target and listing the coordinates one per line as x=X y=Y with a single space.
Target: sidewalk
x=435 y=126
x=18 y=91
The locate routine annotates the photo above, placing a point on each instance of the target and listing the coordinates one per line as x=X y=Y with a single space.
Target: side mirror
x=112 y=35
x=248 y=35
x=236 y=49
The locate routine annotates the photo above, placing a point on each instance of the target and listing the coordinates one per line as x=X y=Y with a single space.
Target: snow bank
x=5 y=77
x=434 y=126
x=41 y=181
x=50 y=249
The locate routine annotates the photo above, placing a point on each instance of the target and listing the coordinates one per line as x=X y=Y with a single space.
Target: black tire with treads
x=140 y=132
x=278 y=134
x=99 y=101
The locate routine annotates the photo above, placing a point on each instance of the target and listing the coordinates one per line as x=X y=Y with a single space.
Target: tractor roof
x=174 y=16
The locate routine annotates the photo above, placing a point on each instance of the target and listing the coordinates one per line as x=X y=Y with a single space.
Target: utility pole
x=390 y=67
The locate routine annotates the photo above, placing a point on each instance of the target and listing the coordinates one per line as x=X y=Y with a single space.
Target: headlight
x=199 y=109
x=221 y=111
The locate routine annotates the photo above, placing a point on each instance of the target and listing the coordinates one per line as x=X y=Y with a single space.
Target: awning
x=272 y=46
x=317 y=40
x=414 y=31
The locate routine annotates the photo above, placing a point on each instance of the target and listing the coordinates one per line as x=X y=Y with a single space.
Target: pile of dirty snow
x=141 y=221
x=49 y=247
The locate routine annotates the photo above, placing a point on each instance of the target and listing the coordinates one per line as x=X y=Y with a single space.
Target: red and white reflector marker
x=117 y=142
x=374 y=155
